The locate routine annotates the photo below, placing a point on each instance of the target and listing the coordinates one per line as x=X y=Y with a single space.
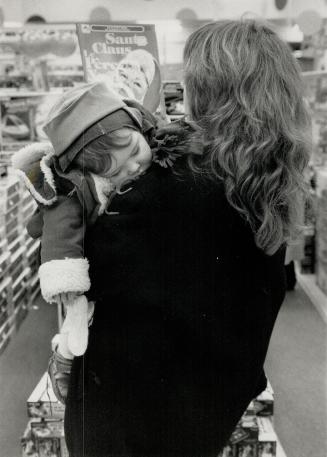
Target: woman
x=187 y=268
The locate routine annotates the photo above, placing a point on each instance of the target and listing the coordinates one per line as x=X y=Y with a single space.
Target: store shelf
x=314 y=293
x=16 y=93
x=18 y=258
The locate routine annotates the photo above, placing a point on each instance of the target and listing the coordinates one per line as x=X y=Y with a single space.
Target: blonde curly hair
x=245 y=96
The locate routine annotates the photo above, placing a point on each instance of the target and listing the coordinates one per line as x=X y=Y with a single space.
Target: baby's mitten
x=76 y=325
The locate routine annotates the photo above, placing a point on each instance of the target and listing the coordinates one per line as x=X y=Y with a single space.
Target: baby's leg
x=59 y=367
x=76 y=325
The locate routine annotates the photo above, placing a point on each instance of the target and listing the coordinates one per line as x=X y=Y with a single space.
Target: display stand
x=254 y=435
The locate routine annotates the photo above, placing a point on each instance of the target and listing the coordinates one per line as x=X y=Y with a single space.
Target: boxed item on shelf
x=173 y=93
x=6 y=320
x=264 y=403
x=3 y=247
x=16 y=245
x=43 y=402
x=246 y=430
x=247 y=450
x=20 y=285
x=18 y=262
x=17 y=119
x=262 y=444
x=267 y=444
x=13 y=215
x=244 y=439
x=6 y=331
x=44 y=437
x=34 y=289
x=3 y=168
x=230 y=450
x=48 y=436
x=4 y=263
x=9 y=192
x=307 y=263
x=44 y=434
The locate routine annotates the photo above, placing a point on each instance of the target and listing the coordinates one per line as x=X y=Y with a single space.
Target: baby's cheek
x=146 y=148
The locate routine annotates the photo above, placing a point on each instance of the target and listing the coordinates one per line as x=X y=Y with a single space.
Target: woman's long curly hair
x=245 y=96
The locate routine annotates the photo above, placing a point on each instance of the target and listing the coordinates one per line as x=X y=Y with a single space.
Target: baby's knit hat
x=87 y=112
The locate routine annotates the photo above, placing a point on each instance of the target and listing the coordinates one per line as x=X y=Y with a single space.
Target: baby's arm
x=63 y=266
x=64 y=270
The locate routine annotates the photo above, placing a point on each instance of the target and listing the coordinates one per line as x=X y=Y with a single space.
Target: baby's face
x=130 y=162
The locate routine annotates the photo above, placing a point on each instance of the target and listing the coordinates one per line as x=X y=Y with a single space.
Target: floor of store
x=296 y=366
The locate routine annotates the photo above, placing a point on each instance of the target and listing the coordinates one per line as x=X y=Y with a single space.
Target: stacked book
x=254 y=435
x=44 y=434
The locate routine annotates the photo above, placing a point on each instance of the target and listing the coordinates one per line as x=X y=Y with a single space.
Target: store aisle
x=21 y=365
x=296 y=366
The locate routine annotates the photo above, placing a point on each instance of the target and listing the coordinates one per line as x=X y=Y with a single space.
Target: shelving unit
x=18 y=258
x=254 y=435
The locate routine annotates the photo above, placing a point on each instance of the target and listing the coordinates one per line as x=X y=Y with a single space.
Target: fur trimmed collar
x=33 y=165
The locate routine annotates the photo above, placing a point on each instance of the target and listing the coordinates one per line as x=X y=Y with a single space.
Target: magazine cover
x=125 y=56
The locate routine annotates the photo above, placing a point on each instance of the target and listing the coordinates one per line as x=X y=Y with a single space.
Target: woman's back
x=177 y=238
x=180 y=260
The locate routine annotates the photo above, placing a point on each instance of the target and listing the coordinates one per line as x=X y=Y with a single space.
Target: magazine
x=125 y=56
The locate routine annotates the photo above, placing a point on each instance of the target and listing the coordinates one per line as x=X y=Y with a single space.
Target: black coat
x=186 y=304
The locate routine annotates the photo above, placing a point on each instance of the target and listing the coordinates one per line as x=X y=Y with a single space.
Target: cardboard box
x=264 y=403
x=267 y=445
x=229 y=450
x=27 y=443
x=44 y=438
x=246 y=431
x=48 y=436
x=247 y=450
x=43 y=402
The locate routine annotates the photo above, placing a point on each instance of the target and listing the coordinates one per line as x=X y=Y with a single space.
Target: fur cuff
x=67 y=275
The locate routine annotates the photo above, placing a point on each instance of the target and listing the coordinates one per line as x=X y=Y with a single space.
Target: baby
x=98 y=147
